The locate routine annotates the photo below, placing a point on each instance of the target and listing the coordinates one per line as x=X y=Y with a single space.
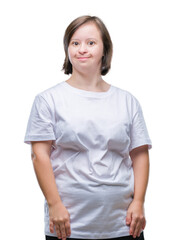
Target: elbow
x=33 y=157
x=39 y=157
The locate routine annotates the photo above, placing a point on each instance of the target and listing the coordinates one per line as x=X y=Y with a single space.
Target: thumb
x=51 y=226
x=128 y=218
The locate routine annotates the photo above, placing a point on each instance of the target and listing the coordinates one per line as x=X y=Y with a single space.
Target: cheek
x=98 y=53
x=70 y=55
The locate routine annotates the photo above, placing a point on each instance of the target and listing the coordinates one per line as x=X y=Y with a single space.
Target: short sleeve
x=138 y=133
x=40 y=126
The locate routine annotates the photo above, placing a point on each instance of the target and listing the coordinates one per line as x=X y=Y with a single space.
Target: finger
x=144 y=224
x=58 y=232
x=139 y=232
x=137 y=229
x=133 y=225
x=51 y=226
x=62 y=229
x=67 y=228
x=128 y=218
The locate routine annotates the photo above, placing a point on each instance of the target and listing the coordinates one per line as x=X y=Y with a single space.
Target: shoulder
x=48 y=97
x=51 y=94
x=127 y=101
x=127 y=95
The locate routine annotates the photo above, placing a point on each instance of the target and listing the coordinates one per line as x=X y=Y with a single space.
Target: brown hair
x=107 y=43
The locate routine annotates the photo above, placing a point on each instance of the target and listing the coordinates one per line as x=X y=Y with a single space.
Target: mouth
x=83 y=58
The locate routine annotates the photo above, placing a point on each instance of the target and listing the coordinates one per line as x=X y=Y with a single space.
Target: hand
x=60 y=218
x=135 y=218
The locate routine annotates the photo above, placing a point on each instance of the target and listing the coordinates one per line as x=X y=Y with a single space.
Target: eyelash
x=77 y=43
x=92 y=42
x=74 y=43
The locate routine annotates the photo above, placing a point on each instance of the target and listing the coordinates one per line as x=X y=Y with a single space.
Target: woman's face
x=86 y=49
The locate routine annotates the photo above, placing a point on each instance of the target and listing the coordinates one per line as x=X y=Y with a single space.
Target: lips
x=82 y=58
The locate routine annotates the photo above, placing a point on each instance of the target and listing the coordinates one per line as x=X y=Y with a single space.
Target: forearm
x=46 y=180
x=135 y=214
x=59 y=217
x=141 y=173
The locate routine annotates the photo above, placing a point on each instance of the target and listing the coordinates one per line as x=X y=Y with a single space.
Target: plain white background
x=31 y=58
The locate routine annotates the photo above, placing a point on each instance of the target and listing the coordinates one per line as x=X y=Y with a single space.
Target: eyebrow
x=79 y=39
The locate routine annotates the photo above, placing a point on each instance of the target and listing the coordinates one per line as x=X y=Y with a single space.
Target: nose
x=82 y=48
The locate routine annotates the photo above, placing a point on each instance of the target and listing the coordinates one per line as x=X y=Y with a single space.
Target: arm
x=135 y=214
x=59 y=216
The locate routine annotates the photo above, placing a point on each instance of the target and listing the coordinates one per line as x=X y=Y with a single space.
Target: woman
x=89 y=145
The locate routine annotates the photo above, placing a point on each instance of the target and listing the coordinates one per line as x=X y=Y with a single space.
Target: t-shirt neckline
x=88 y=93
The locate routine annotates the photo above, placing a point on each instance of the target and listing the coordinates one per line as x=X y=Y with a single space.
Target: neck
x=87 y=81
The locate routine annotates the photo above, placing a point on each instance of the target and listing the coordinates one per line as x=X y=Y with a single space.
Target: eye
x=74 y=43
x=91 y=43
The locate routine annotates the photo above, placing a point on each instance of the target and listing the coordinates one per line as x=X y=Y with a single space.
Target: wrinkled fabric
x=92 y=133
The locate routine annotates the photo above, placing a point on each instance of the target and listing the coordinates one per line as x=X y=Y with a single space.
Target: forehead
x=87 y=30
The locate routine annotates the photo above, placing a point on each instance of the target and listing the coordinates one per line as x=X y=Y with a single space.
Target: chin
x=86 y=68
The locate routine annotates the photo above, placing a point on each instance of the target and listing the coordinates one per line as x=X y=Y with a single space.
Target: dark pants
x=119 y=238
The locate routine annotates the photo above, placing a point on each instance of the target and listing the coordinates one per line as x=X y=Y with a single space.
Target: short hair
x=107 y=43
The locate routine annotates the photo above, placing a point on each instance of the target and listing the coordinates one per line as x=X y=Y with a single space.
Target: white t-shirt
x=93 y=133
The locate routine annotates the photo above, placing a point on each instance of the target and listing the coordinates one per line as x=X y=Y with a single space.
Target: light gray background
x=31 y=58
